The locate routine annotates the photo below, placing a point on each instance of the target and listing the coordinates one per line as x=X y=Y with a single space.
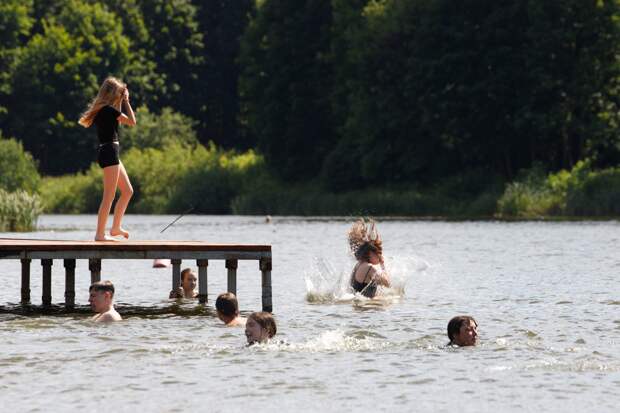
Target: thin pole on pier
x=47 y=282
x=94 y=265
x=203 y=289
x=176 y=273
x=26 y=281
x=231 y=266
x=69 y=283
x=265 y=268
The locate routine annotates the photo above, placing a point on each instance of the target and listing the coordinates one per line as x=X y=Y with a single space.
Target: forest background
x=469 y=108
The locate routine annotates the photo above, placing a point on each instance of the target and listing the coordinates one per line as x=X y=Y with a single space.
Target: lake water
x=546 y=297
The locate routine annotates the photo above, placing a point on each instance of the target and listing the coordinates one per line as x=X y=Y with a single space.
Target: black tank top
x=107 y=124
x=368 y=289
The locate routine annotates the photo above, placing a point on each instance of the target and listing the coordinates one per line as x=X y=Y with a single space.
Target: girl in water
x=109 y=108
x=366 y=246
x=187 y=289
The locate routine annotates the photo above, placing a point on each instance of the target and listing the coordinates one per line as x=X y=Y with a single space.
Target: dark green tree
x=286 y=83
x=222 y=23
x=58 y=72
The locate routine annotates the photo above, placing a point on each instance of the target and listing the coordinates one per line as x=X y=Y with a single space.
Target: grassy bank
x=209 y=180
x=580 y=192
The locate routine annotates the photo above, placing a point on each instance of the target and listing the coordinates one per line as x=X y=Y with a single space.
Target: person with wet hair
x=463 y=331
x=369 y=272
x=227 y=308
x=187 y=289
x=260 y=327
x=101 y=301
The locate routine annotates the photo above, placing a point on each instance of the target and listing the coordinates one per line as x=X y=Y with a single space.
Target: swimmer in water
x=101 y=301
x=369 y=271
x=187 y=289
x=463 y=331
x=228 y=310
x=260 y=327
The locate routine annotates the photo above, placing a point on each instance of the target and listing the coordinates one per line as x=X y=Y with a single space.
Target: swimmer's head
x=260 y=327
x=227 y=307
x=371 y=252
x=101 y=295
x=188 y=279
x=462 y=331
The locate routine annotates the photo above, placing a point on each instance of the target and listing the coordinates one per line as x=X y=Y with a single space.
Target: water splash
x=330 y=341
x=325 y=284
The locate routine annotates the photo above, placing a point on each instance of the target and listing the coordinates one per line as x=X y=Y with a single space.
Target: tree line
x=345 y=94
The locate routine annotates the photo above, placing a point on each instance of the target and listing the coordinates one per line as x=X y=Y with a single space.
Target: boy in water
x=260 y=327
x=228 y=310
x=101 y=301
x=462 y=331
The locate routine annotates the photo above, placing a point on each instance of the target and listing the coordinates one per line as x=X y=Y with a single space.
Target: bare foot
x=119 y=231
x=105 y=238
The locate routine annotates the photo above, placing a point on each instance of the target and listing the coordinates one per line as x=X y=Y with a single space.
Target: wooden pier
x=47 y=251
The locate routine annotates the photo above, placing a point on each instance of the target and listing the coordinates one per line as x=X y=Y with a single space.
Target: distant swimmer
x=227 y=308
x=187 y=289
x=260 y=327
x=369 y=273
x=101 y=301
x=463 y=331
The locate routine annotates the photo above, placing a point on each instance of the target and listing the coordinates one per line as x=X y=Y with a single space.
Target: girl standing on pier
x=109 y=108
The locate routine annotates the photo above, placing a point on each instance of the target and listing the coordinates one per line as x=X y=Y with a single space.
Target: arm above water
x=380 y=275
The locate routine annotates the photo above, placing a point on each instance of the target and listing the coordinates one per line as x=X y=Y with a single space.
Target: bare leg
x=110 y=179
x=121 y=205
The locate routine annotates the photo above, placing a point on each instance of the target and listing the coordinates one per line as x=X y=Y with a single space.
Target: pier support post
x=69 y=283
x=47 y=282
x=231 y=266
x=265 y=268
x=176 y=273
x=94 y=265
x=26 y=281
x=203 y=288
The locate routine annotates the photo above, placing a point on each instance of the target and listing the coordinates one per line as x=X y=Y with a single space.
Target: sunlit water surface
x=546 y=297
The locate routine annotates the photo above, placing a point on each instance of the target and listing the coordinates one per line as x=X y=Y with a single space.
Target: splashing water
x=325 y=284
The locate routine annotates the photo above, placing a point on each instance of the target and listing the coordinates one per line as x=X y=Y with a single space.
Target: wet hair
x=185 y=272
x=102 y=286
x=227 y=304
x=363 y=239
x=266 y=321
x=454 y=325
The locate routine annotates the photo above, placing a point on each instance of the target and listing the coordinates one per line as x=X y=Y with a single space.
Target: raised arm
x=380 y=275
x=127 y=117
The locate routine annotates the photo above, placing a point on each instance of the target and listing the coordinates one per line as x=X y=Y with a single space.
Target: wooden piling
x=203 y=289
x=69 y=251
x=265 y=268
x=69 y=282
x=25 y=281
x=176 y=273
x=231 y=266
x=46 y=297
x=94 y=265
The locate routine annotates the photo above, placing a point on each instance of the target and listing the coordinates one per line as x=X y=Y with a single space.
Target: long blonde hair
x=110 y=92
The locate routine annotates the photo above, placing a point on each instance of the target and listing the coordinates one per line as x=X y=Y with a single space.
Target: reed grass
x=19 y=211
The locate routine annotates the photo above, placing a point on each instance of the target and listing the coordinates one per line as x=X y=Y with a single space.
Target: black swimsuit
x=107 y=132
x=367 y=289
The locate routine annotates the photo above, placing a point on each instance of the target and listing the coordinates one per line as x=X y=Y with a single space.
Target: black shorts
x=107 y=154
